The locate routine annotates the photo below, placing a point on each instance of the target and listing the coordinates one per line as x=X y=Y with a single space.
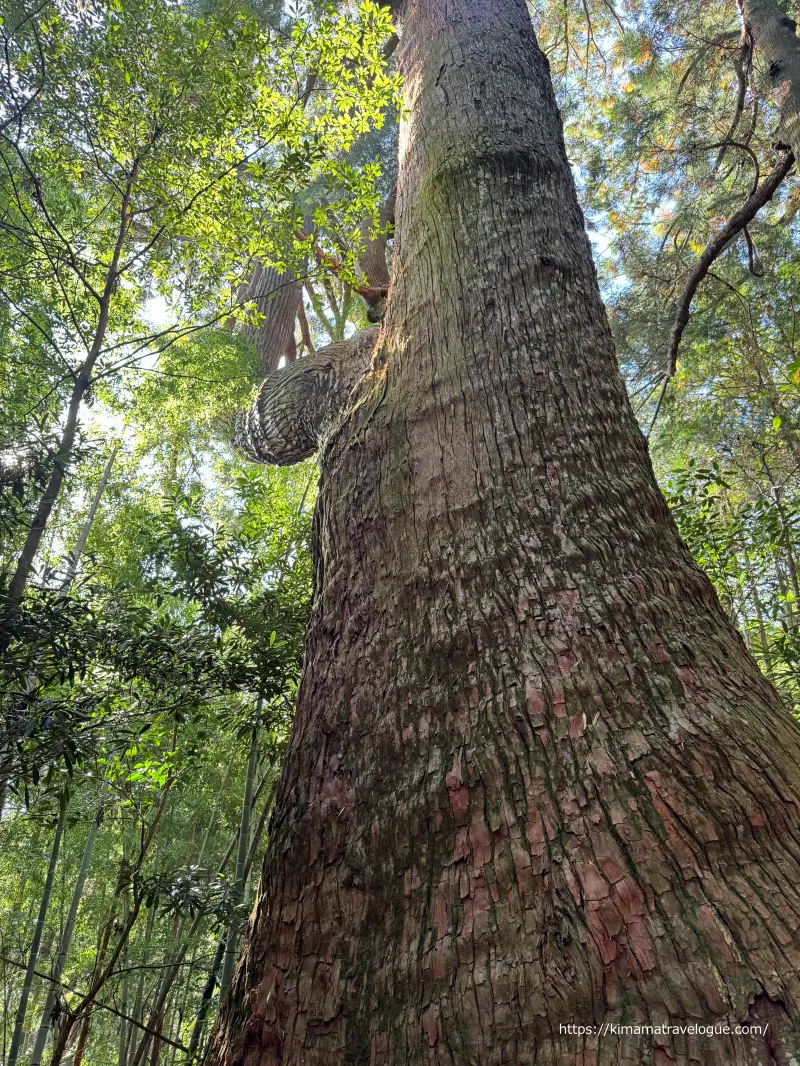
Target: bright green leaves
x=156 y=152
x=173 y=149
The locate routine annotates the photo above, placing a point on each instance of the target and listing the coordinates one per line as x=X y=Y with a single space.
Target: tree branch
x=370 y=293
x=297 y=407
x=97 y=1002
x=715 y=247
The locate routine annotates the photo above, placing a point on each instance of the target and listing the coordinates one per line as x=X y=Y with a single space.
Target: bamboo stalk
x=33 y=955
x=66 y=936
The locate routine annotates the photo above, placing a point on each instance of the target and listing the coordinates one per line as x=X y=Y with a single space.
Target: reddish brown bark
x=275 y=297
x=372 y=258
x=535 y=778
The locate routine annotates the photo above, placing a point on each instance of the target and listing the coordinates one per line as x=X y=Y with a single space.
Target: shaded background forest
x=151 y=156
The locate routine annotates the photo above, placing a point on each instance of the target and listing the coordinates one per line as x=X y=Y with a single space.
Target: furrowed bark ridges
x=774 y=34
x=298 y=406
x=534 y=776
x=276 y=297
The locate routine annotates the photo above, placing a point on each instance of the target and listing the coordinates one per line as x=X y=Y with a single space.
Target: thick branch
x=372 y=259
x=305 y=332
x=298 y=406
x=760 y=196
x=742 y=63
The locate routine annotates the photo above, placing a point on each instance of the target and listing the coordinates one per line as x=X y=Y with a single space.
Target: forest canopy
x=195 y=195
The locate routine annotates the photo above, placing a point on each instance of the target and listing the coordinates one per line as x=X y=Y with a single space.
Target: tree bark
x=276 y=296
x=372 y=259
x=80 y=1048
x=774 y=34
x=535 y=779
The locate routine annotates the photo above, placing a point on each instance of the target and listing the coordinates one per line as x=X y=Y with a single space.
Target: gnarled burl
x=535 y=780
x=298 y=407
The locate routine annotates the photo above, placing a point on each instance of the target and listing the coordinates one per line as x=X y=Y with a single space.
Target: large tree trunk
x=535 y=779
x=774 y=34
x=276 y=297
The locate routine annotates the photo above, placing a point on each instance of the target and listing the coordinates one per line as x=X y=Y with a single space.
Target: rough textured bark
x=275 y=296
x=774 y=34
x=535 y=779
x=298 y=407
x=372 y=258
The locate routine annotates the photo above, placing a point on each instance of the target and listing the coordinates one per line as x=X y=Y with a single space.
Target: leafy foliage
x=150 y=154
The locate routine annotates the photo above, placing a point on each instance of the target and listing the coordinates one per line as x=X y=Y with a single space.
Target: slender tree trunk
x=122 y=1052
x=774 y=34
x=80 y=1048
x=138 y=1002
x=179 y=1011
x=34 y=538
x=216 y=965
x=83 y=379
x=242 y=872
x=241 y=859
x=788 y=548
x=762 y=630
x=222 y=948
x=319 y=311
x=99 y=980
x=157 y=1042
x=66 y=939
x=258 y=832
x=33 y=954
x=275 y=296
x=80 y=547
x=155 y=1020
x=213 y=817
x=535 y=779
x=305 y=332
x=205 y=1001
x=752 y=584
